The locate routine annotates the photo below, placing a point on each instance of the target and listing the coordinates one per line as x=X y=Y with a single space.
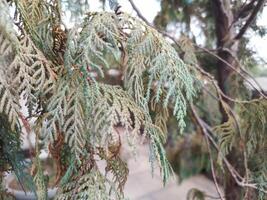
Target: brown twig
x=234 y=69
x=139 y=14
x=242 y=12
x=243 y=69
x=203 y=130
x=218 y=89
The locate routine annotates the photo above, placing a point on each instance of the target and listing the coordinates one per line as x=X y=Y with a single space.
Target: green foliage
x=195 y=194
x=60 y=74
x=242 y=136
x=40 y=180
x=65 y=114
x=10 y=156
x=245 y=134
x=149 y=55
x=119 y=170
x=9 y=44
x=91 y=185
x=255 y=141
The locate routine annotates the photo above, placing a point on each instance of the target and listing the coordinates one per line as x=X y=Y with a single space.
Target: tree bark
x=227 y=44
x=227 y=50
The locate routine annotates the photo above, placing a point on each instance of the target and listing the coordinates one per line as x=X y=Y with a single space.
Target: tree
x=224 y=24
x=77 y=108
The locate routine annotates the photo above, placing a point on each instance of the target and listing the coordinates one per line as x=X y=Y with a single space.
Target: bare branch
x=251 y=18
x=203 y=130
x=139 y=14
x=245 y=9
x=238 y=72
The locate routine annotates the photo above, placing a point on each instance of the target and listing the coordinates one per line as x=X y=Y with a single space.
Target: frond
x=161 y=114
x=227 y=134
x=195 y=194
x=157 y=152
x=8 y=36
x=74 y=125
x=9 y=99
x=32 y=72
x=255 y=113
x=73 y=105
x=253 y=126
x=9 y=104
x=115 y=108
x=65 y=115
x=11 y=157
x=119 y=171
x=89 y=185
x=149 y=53
x=99 y=34
x=32 y=12
x=37 y=19
x=40 y=180
x=56 y=111
x=248 y=137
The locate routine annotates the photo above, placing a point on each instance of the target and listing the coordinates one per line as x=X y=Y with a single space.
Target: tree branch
x=260 y=90
x=251 y=18
x=242 y=182
x=203 y=130
x=245 y=9
x=139 y=14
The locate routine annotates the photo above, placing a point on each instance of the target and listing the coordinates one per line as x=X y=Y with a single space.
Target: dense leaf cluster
x=61 y=75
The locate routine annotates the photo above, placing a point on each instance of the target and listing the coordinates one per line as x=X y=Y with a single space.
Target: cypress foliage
x=62 y=75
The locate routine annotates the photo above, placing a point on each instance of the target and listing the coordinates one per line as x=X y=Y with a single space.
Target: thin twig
x=246 y=172
x=243 y=69
x=241 y=11
x=203 y=130
x=213 y=82
x=234 y=69
x=139 y=14
x=242 y=182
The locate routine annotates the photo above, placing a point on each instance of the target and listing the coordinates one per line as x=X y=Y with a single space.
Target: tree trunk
x=227 y=50
x=226 y=44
